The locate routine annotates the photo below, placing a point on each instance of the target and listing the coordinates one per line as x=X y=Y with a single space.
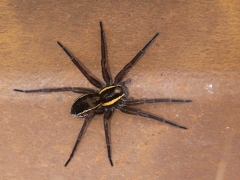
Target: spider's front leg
x=124 y=71
x=105 y=69
x=91 y=79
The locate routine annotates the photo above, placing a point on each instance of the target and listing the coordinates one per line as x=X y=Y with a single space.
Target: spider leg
x=148 y=101
x=86 y=121
x=124 y=71
x=73 y=89
x=107 y=117
x=126 y=82
x=105 y=71
x=91 y=79
x=134 y=111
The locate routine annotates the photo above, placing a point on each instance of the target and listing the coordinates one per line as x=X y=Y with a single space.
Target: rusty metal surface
x=196 y=56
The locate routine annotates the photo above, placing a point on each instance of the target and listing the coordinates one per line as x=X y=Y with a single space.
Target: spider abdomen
x=84 y=104
x=111 y=94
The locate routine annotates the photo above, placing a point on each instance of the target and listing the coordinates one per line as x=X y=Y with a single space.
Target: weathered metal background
x=196 y=56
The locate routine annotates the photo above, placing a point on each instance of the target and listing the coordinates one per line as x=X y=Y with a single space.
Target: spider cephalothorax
x=110 y=96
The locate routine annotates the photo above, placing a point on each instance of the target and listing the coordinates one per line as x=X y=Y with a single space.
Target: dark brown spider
x=110 y=96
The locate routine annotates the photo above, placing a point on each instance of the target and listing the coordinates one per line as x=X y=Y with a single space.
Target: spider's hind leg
x=80 y=135
x=62 y=89
x=139 y=112
x=131 y=102
x=108 y=114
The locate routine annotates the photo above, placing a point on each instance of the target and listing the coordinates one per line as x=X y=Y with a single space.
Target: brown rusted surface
x=196 y=56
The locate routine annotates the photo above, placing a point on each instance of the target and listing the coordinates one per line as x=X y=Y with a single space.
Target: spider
x=110 y=96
